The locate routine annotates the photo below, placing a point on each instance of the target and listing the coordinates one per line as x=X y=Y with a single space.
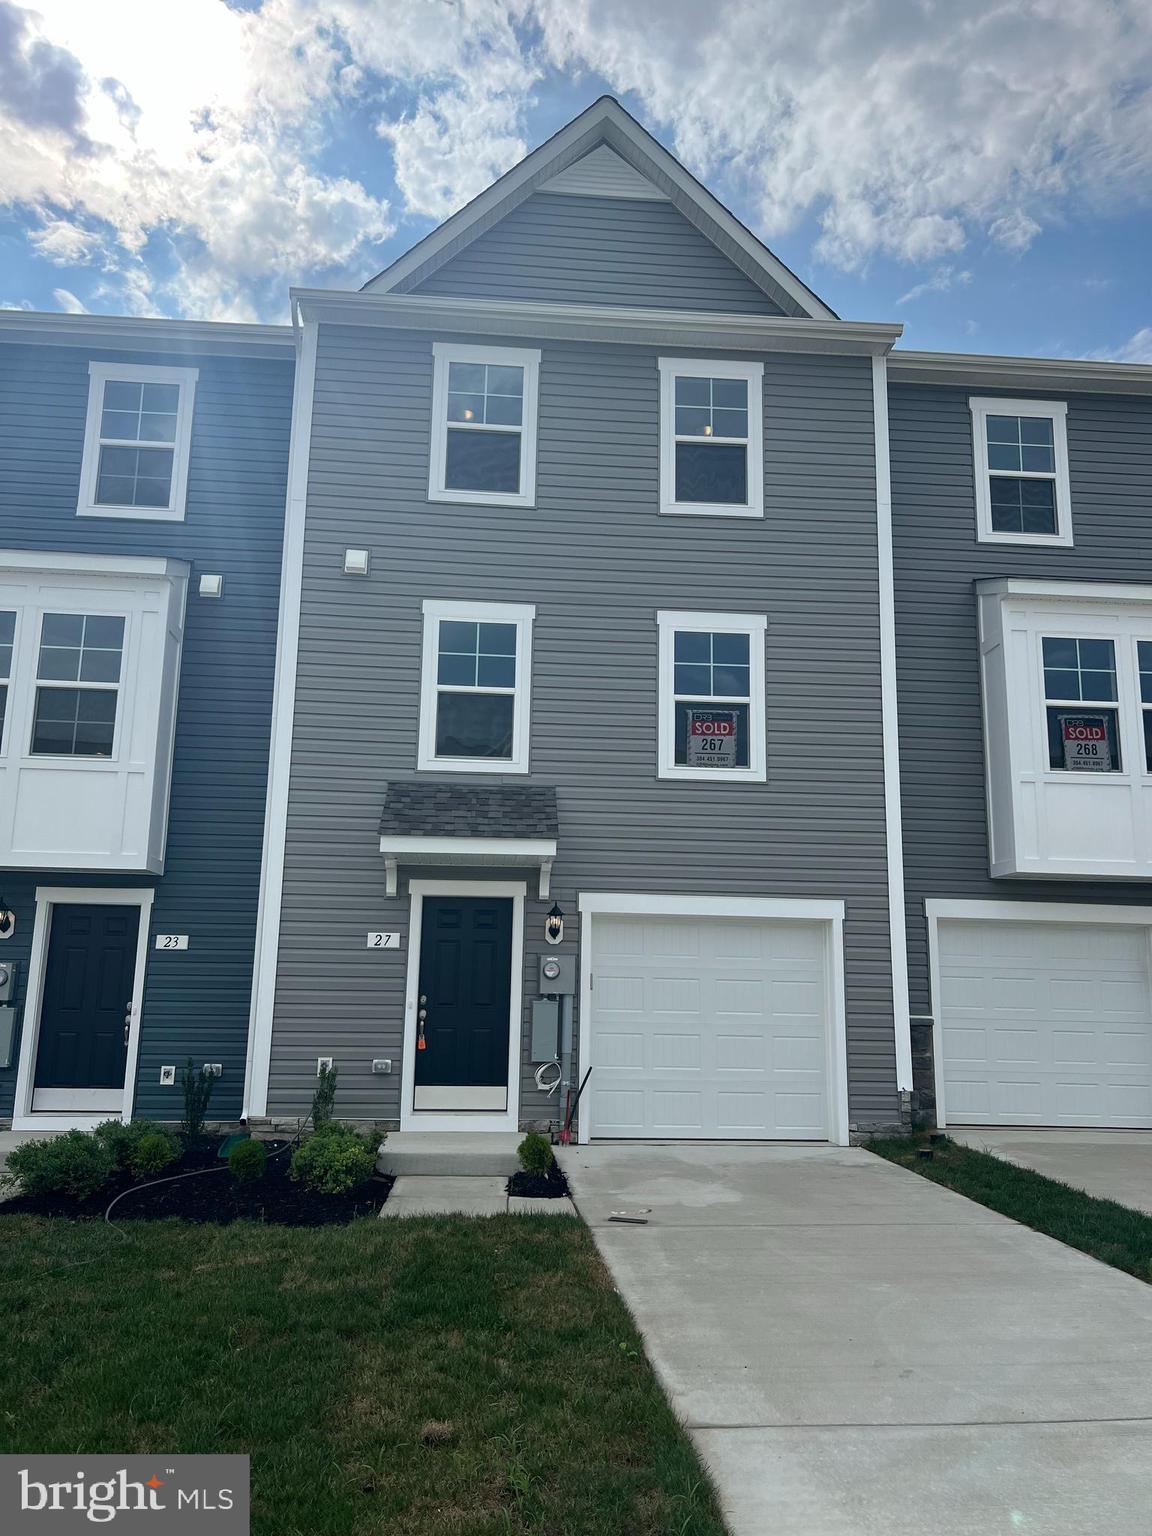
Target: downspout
x=890 y=719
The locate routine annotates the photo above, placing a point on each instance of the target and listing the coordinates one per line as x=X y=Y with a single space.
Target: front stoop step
x=449 y=1154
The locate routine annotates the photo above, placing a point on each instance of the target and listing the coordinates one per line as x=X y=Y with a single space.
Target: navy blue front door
x=465 y=994
x=87 y=995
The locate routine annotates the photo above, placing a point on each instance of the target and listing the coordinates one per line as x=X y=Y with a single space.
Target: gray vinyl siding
x=598 y=561
x=937 y=561
x=195 y=1002
x=599 y=250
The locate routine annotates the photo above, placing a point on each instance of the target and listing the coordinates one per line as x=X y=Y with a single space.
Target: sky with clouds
x=979 y=169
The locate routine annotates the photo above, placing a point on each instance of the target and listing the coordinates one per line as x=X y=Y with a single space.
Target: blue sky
x=980 y=171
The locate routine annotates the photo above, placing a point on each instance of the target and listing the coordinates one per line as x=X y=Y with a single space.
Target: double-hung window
x=1023 y=494
x=475 y=692
x=1081 y=704
x=711 y=437
x=137 y=441
x=484 y=425
x=711 y=696
x=77 y=685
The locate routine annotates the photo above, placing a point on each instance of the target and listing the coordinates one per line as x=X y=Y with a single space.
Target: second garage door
x=709 y=1028
x=1046 y=1023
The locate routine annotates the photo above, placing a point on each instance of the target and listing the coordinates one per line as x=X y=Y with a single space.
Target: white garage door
x=709 y=1027
x=1046 y=1024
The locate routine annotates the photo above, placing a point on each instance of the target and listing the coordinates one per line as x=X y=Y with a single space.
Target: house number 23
x=383 y=941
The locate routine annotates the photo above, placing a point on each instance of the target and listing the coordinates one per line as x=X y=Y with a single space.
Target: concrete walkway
x=858 y=1352
x=1116 y=1165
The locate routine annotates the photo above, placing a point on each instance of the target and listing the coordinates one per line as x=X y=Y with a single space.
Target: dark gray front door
x=87 y=995
x=464 y=1000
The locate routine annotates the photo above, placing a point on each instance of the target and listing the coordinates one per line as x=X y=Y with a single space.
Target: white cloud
x=68 y=302
x=902 y=128
x=1137 y=349
x=943 y=280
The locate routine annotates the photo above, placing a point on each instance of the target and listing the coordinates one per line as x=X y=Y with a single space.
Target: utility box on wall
x=557 y=975
x=545 y=1029
x=7 y=1035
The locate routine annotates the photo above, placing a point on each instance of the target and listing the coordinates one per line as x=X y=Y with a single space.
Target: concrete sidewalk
x=1115 y=1165
x=858 y=1352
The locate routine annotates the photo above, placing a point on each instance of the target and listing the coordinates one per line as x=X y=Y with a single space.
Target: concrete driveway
x=858 y=1352
x=1116 y=1165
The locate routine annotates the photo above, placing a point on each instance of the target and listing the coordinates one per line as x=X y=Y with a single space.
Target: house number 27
x=383 y=941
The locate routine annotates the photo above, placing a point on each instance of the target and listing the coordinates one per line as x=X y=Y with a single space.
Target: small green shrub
x=335 y=1161
x=324 y=1098
x=535 y=1153
x=198 y=1086
x=248 y=1160
x=153 y=1153
x=75 y=1164
x=123 y=1140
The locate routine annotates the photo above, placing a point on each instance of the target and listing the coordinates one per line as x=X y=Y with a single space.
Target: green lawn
x=1114 y=1234
x=423 y=1377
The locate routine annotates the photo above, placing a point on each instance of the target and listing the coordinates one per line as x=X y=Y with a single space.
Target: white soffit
x=603 y=173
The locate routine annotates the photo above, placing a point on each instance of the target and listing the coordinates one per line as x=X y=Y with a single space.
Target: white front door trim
x=597 y=904
x=48 y=897
x=939 y=911
x=412 y=1119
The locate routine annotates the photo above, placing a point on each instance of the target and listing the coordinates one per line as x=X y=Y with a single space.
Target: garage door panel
x=1065 y=1023
x=723 y=1032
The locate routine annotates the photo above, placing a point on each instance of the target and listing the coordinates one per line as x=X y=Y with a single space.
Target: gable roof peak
x=641 y=156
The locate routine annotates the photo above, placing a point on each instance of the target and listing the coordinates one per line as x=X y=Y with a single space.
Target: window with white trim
x=475 y=687
x=77 y=685
x=711 y=437
x=1081 y=704
x=484 y=425
x=1022 y=488
x=137 y=441
x=711 y=696
x=7 y=641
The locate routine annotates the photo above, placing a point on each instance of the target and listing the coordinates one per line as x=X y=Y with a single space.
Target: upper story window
x=1144 y=663
x=475 y=692
x=1079 y=677
x=136 y=441
x=484 y=425
x=711 y=696
x=711 y=436
x=77 y=678
x=1022 y=488
x=7 y=640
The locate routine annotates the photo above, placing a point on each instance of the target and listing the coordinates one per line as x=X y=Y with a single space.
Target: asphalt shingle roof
x=413 y=809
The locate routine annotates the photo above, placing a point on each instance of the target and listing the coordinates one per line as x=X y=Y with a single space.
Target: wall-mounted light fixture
x=554 y=925
x=355 y=562
x=7 y=920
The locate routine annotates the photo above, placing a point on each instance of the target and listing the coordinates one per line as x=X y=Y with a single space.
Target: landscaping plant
x=247 y=1161
x=536 y=1154
x=198 y=1085
x=324 y=1098
x=154 y=1152
x=335 y=1161
x=75 y=1164
x=123 y=1139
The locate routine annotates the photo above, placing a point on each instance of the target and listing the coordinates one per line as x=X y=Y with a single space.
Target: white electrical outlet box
x=214 y=1068
x=167 y=1076
x=321 y=1063
x=381 y=1064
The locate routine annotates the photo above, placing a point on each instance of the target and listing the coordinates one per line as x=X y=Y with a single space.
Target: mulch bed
x=213 y=1196
x=540 y=1186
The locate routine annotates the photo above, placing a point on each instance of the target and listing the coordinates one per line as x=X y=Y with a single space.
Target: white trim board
x=938 y=911
x=591 y=905
x=607 y=120
x=412 y=1119
x=267 y=951
x=890 y=731
x=48 y=897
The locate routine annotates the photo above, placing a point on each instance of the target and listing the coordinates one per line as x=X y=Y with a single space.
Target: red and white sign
x=711 y=738
x=1086 y=745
